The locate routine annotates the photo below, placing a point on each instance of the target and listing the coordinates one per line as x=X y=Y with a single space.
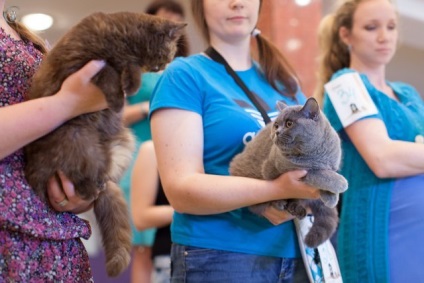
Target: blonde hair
x=275 y=66
x=334 y=53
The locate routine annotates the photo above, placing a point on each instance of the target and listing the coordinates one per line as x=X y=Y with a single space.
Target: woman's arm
x=144 y=190
x=25 y=122
x=387 y=158
x=135 y=112
x=178 y=138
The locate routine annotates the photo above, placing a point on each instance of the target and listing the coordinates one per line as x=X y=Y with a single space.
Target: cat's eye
x=289 y=124
x=275 y=126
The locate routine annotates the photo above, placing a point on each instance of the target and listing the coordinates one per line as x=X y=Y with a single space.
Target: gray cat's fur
x=300 y=138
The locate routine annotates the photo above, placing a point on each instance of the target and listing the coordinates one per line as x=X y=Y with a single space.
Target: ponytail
x=334 y=53
x=276 y=68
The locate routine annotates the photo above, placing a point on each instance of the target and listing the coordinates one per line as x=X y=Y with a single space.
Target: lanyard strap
x=214 y=55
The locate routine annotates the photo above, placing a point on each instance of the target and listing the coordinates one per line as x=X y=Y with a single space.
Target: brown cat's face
x=162 y=42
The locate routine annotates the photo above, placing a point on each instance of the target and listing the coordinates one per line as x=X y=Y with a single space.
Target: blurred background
x=295 y=39
x=291 y=24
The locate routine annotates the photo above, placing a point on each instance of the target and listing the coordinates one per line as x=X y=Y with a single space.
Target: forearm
x=387 y=158
x=25 y=122
x=211 y=194
x=134 y=113
x=398 y=159
x=154 y=217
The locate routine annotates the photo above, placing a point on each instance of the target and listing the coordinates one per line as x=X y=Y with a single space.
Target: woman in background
x=382 y=150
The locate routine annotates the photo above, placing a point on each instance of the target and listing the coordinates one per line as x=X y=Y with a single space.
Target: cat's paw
x=280 y=204
x=297 y=210
x=337 y=184
x=329 y=199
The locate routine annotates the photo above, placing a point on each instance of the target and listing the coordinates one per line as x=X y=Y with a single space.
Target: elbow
x=137 y=221
x=382 y=169
x=138 y=224
x=179 y=206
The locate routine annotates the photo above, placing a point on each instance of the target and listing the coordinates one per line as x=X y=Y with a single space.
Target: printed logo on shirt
x=254 y=113
x=350 y=98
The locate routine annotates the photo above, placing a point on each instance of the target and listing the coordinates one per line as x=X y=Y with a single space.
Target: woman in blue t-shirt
x=381 y=226
x=200 y=120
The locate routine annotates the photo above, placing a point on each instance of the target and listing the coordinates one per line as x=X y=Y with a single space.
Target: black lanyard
x=214 y=55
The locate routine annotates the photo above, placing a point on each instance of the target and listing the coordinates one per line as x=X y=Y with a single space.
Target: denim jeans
x=198 y=265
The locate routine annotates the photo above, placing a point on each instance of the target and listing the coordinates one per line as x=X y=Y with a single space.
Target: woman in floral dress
x=39 y=242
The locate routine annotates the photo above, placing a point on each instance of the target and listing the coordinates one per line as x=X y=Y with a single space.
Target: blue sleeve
x=177 y=88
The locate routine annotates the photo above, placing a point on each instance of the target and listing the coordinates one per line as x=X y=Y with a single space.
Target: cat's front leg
x=131 y=79
x=330 y=182
x=109 y=81
x=292 y=206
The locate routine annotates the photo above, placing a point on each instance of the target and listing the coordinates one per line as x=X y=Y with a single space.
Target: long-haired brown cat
x=93 y=150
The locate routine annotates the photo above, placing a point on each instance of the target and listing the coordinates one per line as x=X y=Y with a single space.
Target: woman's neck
x=376 y=74
x=236 y=55
x=377 y=77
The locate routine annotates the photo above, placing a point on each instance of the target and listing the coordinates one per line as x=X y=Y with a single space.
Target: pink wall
x=293 y=29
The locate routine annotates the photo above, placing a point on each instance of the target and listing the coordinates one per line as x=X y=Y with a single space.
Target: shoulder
x=192 y=62
x=401 y=87
x=342 y=72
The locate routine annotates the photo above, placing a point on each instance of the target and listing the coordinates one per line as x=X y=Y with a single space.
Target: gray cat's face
x=296 y=128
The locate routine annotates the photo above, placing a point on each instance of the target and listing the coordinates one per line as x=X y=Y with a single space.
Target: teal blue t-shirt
x=230 y=120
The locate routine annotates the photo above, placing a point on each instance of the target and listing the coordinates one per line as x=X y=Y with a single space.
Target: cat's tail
x=114 y=222
x=324 y=226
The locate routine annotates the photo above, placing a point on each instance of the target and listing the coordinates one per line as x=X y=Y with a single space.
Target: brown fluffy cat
x=300 y=138
x=93 y=150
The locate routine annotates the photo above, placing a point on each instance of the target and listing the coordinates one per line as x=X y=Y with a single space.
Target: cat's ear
x=177 y=30
x=311 y=109
x=281 y=105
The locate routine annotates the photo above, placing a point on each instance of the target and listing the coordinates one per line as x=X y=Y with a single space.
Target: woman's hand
x=276 y=216
x=79 y=95
x=294 y=187
x=65 y=199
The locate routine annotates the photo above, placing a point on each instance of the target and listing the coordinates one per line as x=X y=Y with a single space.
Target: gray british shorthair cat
x=300 y=138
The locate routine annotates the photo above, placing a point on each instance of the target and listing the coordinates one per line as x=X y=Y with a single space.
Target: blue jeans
x=198 y=265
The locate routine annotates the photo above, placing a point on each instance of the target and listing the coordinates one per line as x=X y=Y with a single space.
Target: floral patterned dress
x=37 y=244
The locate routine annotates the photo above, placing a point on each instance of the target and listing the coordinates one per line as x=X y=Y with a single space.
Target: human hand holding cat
x=276 y=216
x=65 y=199
x=78 y=94
x=295 y=187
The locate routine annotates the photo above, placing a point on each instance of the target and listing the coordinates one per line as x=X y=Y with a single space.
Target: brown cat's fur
x=93 y=150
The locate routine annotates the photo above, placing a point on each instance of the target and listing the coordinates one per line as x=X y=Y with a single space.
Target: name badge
x=350 y=98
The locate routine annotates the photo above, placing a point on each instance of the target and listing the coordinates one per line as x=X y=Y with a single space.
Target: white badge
x=350 y=98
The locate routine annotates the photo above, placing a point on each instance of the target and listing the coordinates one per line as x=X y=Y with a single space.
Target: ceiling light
x=303 y=2
x=37 y=22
